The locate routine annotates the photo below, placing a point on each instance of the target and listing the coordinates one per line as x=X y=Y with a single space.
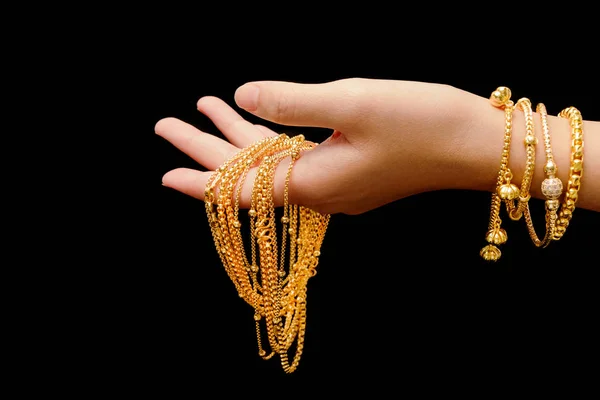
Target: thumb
x=335 y=105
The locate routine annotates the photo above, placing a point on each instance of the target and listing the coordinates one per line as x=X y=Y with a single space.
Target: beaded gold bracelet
x=495 y=235
x=515 y=212
x=551 y=187
x=575 y=173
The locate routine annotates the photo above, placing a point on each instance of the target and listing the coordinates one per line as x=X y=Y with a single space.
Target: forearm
x=483 y=146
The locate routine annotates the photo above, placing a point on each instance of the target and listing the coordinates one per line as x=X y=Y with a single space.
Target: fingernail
x=247 y=97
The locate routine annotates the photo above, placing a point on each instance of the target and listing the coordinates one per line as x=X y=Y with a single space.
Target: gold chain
x=277 y=295
x=576 y=171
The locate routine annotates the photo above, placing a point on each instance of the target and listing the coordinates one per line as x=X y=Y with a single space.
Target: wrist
x=477 y=146
x=468 y=156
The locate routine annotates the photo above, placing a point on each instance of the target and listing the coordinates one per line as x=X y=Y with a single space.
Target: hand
x=391 y=139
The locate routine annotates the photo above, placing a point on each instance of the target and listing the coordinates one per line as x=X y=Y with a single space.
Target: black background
x=401 y=291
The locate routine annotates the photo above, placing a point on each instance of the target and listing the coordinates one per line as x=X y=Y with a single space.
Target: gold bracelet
x=575 y=173
x=551 y=188
x=277 y=293
x=495 y=235
x=515 y=212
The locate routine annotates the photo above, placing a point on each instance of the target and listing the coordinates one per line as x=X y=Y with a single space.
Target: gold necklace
x=274 y=280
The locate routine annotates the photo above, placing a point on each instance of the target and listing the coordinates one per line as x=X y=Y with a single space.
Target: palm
x=312 y=176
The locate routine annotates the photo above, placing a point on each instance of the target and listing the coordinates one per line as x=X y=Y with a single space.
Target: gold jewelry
x=277 y=293
x=515 y=212
x=495 y=235
x=551 y=188
x=575 y=173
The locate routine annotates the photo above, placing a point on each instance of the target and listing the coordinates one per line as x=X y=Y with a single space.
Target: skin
x=390 y=139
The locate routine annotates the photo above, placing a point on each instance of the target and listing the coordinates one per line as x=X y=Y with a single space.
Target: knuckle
x=285 y=107
x=357 y=99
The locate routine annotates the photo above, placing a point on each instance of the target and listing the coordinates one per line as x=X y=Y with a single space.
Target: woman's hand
x=391 y=139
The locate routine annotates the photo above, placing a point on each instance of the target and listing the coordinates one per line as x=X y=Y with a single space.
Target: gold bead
x=490 y=253
x=552 y=205
x=550 y=168
x=285 y=220
x=252 y=212
x=291 y=231
x=530 y=139
x=237 y=224
x=317 y=253
x=262 y=353
x=500 y=96
x=552 y=188
x=257 y=317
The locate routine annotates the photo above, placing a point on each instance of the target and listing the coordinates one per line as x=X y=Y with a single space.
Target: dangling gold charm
x=508 y=191
x=496 y=236
x=490 y=253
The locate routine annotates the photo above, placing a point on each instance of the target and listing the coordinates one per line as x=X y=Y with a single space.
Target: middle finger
x=235 y=128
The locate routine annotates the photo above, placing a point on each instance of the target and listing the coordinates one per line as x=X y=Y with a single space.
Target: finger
x=266 y=132
x=192 y=183
x=337 y=104
x=187 y=181
x=208 y=150
x=236 y=129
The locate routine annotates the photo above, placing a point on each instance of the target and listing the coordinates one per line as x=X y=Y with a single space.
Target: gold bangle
x=515 y=212
x=495 y=235
x=575 y=173
x=551 y=187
